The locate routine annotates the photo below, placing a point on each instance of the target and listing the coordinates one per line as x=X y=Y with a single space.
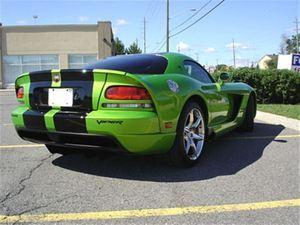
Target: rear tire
x=248 y=122
x=60 y=150
x=190 y=137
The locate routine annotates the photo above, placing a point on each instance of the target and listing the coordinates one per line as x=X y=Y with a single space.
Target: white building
x=263 y=62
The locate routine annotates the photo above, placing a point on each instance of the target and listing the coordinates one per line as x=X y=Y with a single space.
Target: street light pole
x=233 y=52
x=144 y=35
x=297 y=34
x=35 y=18
x=168 y=21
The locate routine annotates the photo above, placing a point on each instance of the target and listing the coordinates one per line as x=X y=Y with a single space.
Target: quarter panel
x=168 y=103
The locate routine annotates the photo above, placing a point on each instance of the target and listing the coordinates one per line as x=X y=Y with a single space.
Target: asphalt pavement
x=242 y=178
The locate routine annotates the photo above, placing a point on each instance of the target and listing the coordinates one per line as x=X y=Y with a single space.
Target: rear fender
x=118 y=78
x=24 y=81
x=168 y=103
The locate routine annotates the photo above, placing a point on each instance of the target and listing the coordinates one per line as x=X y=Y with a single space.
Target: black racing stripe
x=70 y=122
x=82 y=82
x=38 y=80
x=34 y=120
x=39 y=76
x=75 y=74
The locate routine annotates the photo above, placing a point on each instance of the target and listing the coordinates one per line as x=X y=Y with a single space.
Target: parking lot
x=242 y=178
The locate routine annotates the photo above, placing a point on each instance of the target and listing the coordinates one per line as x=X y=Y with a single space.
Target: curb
x=276 y=119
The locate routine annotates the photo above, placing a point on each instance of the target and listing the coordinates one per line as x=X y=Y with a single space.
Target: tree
x=133 y=49
x=222 y=67
x=119 y=47
x=272 y=63
x=283 y=44
x=291 y=44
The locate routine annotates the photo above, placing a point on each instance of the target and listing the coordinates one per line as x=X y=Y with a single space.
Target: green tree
x=272 y=63
x=133 y=49
x=291 y=44
x=119 y=47
x=282 y=46
x=222 y=67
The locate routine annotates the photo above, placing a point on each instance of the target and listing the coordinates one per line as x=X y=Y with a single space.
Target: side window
x=194 y=70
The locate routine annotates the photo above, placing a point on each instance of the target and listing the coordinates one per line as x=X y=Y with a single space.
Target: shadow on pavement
x=223 y=156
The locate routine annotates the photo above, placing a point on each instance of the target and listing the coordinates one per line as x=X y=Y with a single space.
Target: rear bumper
x=68 y=139
x=134 y=131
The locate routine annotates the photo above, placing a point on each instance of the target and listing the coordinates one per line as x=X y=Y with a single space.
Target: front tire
x=248 y=122
x=190 y=137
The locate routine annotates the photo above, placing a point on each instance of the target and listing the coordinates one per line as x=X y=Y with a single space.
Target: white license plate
x=60 y=97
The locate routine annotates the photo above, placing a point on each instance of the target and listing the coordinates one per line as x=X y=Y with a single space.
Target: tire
x=60 y=150
x=248 y=122
x=190 y=137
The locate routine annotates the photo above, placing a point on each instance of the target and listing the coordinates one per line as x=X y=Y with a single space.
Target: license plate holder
x=60 y=97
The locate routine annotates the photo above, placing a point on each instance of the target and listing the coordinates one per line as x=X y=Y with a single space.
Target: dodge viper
x=142 y=103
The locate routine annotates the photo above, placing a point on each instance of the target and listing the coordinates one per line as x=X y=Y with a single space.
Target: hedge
x=271 y=86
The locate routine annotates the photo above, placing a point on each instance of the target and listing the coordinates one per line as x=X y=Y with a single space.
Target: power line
x=162 y=42
x=162 y=45
x=181 y=13
x=192 y=16
x=160 y=33
x=155 y=8
x=198 y=19
x=154 y=17
x=152 y=7
x=149 y=7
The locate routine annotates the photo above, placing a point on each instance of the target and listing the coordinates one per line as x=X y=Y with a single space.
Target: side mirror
x=224 y=77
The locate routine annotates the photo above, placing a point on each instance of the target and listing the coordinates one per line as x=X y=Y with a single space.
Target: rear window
x=135 y=64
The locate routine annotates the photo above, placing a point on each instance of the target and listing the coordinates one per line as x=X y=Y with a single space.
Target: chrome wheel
x=194 y=134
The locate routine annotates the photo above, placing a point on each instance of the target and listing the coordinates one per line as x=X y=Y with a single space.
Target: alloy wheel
x=194 y=134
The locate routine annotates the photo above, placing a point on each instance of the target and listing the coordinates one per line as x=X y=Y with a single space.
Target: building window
x=14 y=65
x=79 y=61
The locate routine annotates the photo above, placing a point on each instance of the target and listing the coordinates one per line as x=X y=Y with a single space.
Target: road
x=242 y=178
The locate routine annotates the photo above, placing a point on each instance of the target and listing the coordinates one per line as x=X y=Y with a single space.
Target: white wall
x=284 y=62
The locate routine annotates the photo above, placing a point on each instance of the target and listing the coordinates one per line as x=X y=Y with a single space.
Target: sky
x=256 y=26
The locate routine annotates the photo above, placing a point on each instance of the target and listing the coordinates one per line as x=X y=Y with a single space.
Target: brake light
x=20 y=93
x=127 y=93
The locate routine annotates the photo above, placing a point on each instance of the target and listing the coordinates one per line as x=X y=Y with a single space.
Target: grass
x=291 y=111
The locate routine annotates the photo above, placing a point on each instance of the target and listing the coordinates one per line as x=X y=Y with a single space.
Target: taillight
x=127 y=93
x=20 y=92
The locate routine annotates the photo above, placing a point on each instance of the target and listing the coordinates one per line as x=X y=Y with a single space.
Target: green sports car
x=143 y=104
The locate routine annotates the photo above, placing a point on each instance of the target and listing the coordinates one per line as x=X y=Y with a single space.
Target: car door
x=218 y=102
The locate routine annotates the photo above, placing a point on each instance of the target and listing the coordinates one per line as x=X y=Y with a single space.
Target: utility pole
x=144 y=35
x=233 y=52
x=35 y=17
x=168 y=21
x=297 y=34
